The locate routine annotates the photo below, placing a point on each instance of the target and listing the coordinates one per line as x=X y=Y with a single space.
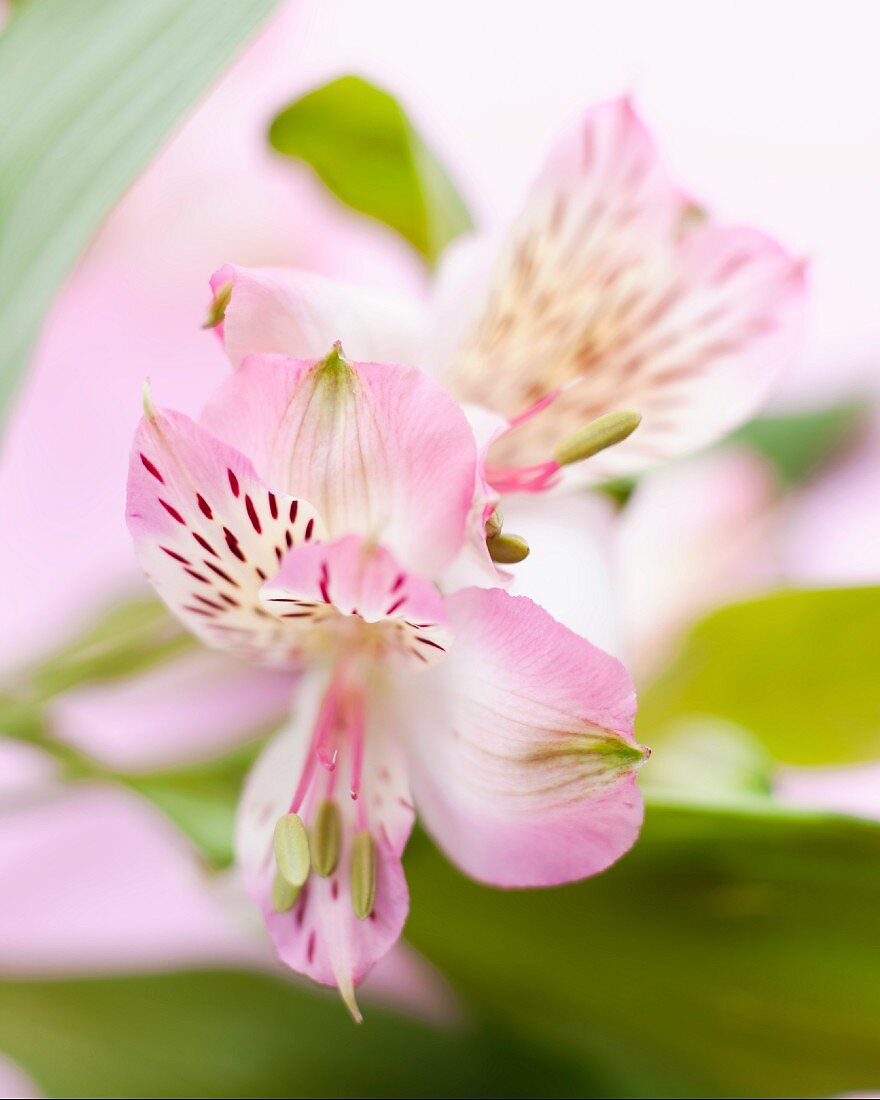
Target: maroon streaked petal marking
x=310 y=526
x=259 y=572
x=152 y=469
x=310 y=949
x=233 y=483
x=427 y=641
x=229 y=600
x=198 y=576
x=198 y=611
x=288 y=538
x=173 y=512
x=334 y=889
x=252 y=514
x=232 y=543
x=205 y=545
x=282 y=599
x=420 y=656
x=222 y=573
x=401 y=577
x=175 y=555
x=297 y=615
x=207 y=602
x=204 y=506
x=294 y=507
x=279 y=553
x=273 y=506
x=261 y=612
x=395 y=605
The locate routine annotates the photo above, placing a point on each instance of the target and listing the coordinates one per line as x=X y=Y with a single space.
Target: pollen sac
x=292 y=850
x=363 y=875
x=284 y=896
x=217 y=308
x=507 y=549
x=326 y=838
x=597 y=436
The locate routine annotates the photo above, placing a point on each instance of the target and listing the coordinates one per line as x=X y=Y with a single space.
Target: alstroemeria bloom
x=308 y=522
x=612 y=291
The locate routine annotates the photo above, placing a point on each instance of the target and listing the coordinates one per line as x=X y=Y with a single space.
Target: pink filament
x=523 y=479
x=322 y=734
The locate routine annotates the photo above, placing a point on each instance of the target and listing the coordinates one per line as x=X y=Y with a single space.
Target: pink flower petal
x=301 y=314
x=605 y=288
x=198 y=704
x=14 y=1082
x=521 y=747
x=208 y=533
x=103 y=881
x=321 y=936
x=333 y=585
x=379 y=451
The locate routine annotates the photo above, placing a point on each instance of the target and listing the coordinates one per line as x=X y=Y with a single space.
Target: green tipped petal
x=596 y=436
x=326 y=838
x=217 y=308
x=292 y=849
x=363 y=875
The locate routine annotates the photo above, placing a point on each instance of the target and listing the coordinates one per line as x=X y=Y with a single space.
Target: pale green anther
x=217 y=308
x=292 y=849
x=325 y=838
x=284 y=896
x=149 y=407
x=494 y=524
x=596 y=436
x=507 y=549
x=363 y=875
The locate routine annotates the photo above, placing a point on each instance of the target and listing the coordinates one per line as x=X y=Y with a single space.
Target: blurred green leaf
x=731 y=953
x=89 y=90
x=252 y=1035
x=798 y=669
x=360 y=142
x=798 y=445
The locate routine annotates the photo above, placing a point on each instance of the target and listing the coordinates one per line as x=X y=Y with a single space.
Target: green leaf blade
x=89 y=91
x=361 y=144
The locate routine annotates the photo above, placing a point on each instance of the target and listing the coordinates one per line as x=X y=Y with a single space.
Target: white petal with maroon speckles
x=209 y=533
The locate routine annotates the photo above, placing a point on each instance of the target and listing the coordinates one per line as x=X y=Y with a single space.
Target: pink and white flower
x=308 y=521
x=612 y=291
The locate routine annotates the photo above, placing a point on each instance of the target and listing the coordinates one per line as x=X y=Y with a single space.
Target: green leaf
x=89 y=91
x=360 y=142
x=798 y=669
x=799 y=445
x=731 y=953
x=238 y=1034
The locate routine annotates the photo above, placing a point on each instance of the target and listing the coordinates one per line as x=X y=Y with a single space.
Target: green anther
x=594 y=437
x=284 y=896
x=292 y=849
x=494 y=524
x=507 y=549
x=217 y=308
x=326 y=838
x=363 y=875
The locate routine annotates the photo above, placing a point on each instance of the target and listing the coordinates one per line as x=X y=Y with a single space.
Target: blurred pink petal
x=830 y=530
x=25 y=772
x=847 y=790
x=103 y=881
x=14 y=1082
x=196 y=705
x=693 y=536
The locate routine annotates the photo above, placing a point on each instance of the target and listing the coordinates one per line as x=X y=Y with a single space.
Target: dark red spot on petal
x=401 y=577
x=198 y=576
x=222 y=573
x=310 y=526
x=149 y=466
x=208 y=603
x=252 y=514
x=294 y=508
x=427 y=641
x=310 y=949
x=175 y=555
x=232 y=543
x=273 y=506
x=288 y=538
x=173 y=512
x=397 y=603
x=233 y=483
x=205 y=545
x=204 y=506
